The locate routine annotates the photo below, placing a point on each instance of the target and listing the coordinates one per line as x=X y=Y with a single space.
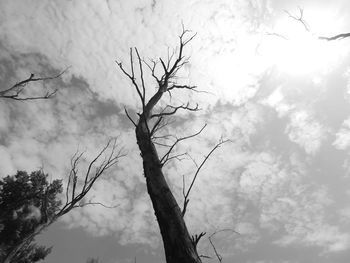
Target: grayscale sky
x=277 y=92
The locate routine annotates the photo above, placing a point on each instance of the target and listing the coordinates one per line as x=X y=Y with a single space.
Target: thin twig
x=74 y=199
x=186 y=200
x=299 y=18
x=218 y=256
x=165 y=157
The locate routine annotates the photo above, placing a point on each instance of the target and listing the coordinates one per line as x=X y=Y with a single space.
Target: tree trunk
x=177 y=242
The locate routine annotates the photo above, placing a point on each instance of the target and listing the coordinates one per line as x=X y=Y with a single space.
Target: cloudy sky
x=277 y=92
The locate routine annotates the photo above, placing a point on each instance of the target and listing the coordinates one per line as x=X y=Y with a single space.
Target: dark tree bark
x=179 y=245
x=177 y=241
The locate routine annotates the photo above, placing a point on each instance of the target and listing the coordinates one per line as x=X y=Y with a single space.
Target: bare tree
x=179 y=245
x=75 y=191
x=16 y=92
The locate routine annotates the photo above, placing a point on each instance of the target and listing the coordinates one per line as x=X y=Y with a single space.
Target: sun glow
x=294 y=50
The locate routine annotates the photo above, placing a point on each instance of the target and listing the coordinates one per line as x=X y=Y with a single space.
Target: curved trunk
x=178 y=245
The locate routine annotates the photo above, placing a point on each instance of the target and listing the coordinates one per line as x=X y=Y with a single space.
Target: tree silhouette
x=29 y=204
x=179 y=245
x=26 y=201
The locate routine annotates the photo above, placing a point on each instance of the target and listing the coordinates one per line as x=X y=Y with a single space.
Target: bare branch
x=277 y=35
x=15 y=92
x=132 y=76
x=175 y=86
x=165 y=136
x=153 y=69
x=82 y=204
x=170 y=57
x=74 y=198
x=175 y=61
x=127 y=114
x=183 y=185
x=186 y=200
x=340 y=36
x=175 y=109
x=164 y=122
x=299 y=18
x=166 y=156
x=169 y=71
x=196 y=238
x=177 y=157
x=156 y=125
x=141 y=75
x=218 y=256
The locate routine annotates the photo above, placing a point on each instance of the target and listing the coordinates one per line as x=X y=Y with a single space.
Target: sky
x=277 y=92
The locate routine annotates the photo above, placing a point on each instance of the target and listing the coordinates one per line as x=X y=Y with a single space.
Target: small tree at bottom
x=29 y=204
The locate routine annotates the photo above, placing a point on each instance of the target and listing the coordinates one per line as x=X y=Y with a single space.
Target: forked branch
x=199 y=167
x=132 y=77
x=166 y=157
x=218 y=256
x=195 y=239
x=16 y=91
x=299 y=18
x=74 y=197
x=174 y=109
x=164 y=82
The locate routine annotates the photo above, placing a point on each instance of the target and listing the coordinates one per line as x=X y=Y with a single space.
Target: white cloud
x=305 y=131
x=329 y=236
x=342 y=140
x=276 y=100
x=288 y=205
x=90 y=35
x=323 y=235
x=304 y=220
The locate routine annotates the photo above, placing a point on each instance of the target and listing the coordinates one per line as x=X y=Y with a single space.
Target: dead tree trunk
x=179 y=245
x=177 y=241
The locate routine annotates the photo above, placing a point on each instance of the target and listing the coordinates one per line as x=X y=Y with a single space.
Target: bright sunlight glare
x=296 y=51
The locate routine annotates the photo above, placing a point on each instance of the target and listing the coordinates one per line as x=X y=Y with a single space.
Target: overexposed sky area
x=281 y=95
